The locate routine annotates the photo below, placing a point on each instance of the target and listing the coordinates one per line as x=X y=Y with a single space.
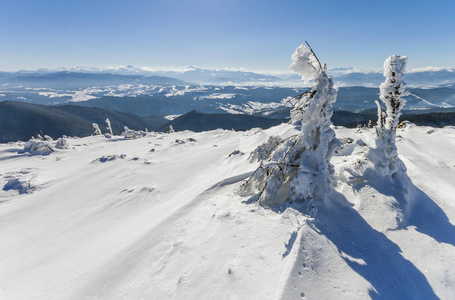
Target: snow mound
x=21 y=181
x=38 y=147
x=107 y=158
x=133 y=134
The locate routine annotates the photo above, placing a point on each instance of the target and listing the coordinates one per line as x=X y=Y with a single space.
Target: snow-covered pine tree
x=96 y=128
x=109 y=127
x=299 y=168
x=391 y=93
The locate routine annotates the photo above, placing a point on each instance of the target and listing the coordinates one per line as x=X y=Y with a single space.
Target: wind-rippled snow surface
x=159 y=217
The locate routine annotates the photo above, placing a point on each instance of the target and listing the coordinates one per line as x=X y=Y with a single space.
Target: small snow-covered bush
x=38 y=147
x=45 y=147
x=133 y=134
x=62 y=143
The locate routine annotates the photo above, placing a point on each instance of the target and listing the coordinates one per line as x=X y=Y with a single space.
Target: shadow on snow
x=390 y=274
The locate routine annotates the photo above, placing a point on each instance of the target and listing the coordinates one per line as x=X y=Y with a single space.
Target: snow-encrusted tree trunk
x=109 y=127
x=96 y=129
x=391 y=93
x=299 y=168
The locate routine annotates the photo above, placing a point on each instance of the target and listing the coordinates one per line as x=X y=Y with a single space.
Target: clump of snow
x=106 y=158
x=97 y=130
x=38 y=147
x=62 y=143
x=305 y=63
x=262 y=152
x=132 y=134
x=109 y=127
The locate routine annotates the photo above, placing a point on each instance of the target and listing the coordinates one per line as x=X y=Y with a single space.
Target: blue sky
x=256 y=35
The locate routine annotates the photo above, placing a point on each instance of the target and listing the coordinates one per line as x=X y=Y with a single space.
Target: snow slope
x=160 y=218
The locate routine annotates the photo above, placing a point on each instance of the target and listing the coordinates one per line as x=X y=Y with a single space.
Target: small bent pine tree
x=109 y=127
x=298 y=168
x=96 y=129
x=391 y=93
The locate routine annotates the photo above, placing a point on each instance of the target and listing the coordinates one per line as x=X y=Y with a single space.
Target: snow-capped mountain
x=429 y=76
x=193 y=75
x=346 y=77
x=189 y=74
x=414 y=77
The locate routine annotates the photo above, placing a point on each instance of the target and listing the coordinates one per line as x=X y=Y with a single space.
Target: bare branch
x=320 y=66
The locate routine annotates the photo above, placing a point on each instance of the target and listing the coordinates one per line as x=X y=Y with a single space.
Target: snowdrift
x=160 y=217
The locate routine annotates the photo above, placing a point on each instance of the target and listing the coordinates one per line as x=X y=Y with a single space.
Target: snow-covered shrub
x=385 y=155
x=97 y=130
x=38 y=147
x=264 y=151
x=299 y=168
x=170 y=129
x=62 y=143
x=109 y=127
x=132 y=134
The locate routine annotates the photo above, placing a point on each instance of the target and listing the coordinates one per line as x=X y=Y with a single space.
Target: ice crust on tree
x=133 y=134
x=392 y=90
x=97 y=130
x=62 y=143
x=38 y=147
x=305 y=63
x=109 y=127
x=264 y=151
x=299 y=168
x=385 y=156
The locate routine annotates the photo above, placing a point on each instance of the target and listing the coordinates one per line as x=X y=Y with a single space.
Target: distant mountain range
x=20 y=121
x=260 y=101
x=194 y=75
x=422 y=77
x=159 y=100
x=196 y=121
x=77 y=80
x=128 y=96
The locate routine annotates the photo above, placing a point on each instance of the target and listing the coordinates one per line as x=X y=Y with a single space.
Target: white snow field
x=160 y=217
